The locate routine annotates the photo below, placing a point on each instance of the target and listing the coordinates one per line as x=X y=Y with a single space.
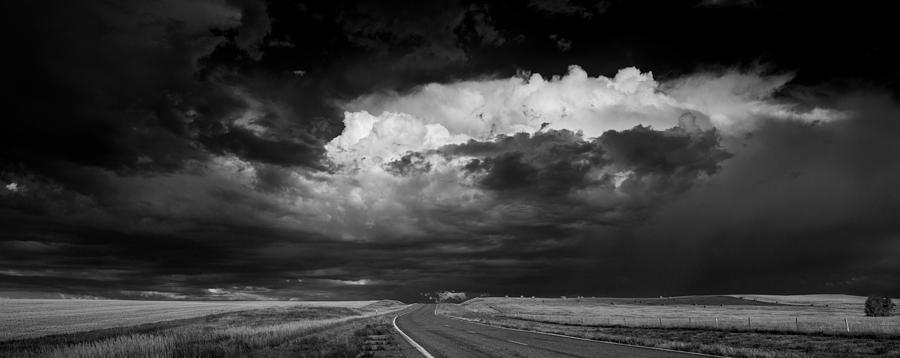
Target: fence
x=838 y=325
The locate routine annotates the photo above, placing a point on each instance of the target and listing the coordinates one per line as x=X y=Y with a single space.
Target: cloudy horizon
x=248 y=149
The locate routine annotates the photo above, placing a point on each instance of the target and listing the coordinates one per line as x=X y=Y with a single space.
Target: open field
x=815 y=313
x=732 y=342
x=289 y=330
x=843 y=301
x=22 y=318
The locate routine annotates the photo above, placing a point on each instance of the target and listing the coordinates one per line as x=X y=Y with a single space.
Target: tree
x=879 y=306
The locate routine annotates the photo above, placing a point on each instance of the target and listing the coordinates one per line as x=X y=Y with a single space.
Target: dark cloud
x=797 y=196
x=246 y=145
x=423 y=33
x=646 y=151
x=551 y=163
x=556 y=162
x=726 y=3
x=568 y=7
x=561 y=43
x=177 y=149
x=77 y=83
x=273 y=178
x=255 y=24
x=663 y=162
x=409 y=164
x=506 y=172
x=477 y=28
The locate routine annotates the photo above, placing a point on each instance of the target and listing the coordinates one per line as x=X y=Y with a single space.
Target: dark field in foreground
x=272 y=332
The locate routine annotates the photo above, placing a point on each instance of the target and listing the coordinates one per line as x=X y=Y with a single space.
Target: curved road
x=446 y=337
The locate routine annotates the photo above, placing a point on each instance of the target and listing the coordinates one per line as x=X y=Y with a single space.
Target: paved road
x=446 y=337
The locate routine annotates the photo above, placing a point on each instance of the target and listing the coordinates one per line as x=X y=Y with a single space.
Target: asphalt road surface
x=447 y=337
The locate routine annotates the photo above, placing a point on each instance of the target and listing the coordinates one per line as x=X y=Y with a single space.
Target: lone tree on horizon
x=879 y=306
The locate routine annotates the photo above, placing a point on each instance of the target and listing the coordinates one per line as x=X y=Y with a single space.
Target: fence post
x=690 y=322
x=660 y=322
x=717 y=322
x=846 y=323
x=748 y=323
x=797 y=323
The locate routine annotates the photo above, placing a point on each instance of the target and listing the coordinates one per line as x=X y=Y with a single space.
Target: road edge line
x=586 y=339
x=415 y=345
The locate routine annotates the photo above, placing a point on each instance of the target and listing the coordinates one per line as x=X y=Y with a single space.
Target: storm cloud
x=350 y=150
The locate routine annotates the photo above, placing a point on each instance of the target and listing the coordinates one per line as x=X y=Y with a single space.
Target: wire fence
x=833 y=325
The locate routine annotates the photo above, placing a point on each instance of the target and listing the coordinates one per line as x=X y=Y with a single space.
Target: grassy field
x=23 y=318
x=637 y=321
x=287 y=330
x=814 y=313
x=843 y=301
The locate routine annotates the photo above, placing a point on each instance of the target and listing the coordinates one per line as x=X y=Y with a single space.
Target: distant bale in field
x=879 y=306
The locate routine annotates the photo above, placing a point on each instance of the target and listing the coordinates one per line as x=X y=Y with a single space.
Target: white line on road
x=512 y=341
x=410 y=340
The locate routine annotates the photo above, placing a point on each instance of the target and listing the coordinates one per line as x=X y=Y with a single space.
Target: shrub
x=879 y=306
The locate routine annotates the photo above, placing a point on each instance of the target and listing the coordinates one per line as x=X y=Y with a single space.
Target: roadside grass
x=818 y=314
x=723 y=342
x=278 y=331
x=24 y=318
x=347 y=340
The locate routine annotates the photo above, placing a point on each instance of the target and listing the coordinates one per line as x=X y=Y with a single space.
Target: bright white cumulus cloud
x=576 y=101
x=384 y=126
x=374 y=139
x=362 y=199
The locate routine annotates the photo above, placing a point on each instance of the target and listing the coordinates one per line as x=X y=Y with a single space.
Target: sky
x=321 y=150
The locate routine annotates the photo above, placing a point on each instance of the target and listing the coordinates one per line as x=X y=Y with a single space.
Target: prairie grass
x=845 y=301
x=725 y=342
x=817 y=314
x=24 y=318
x=233 y=334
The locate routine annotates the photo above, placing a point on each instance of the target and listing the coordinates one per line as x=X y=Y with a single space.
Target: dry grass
x=24 y=318
x=732 y=342
x=233 y=334
x=816 y=314
x=844 y=301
